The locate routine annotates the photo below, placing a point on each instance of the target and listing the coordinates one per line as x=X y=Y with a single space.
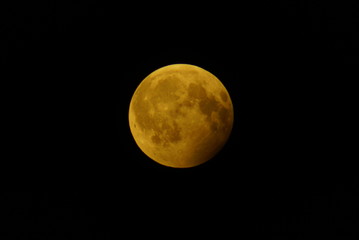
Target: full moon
x=181 y=115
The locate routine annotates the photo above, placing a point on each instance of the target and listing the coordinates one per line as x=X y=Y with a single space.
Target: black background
x=69 y=72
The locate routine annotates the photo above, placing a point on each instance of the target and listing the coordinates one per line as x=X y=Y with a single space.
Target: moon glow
x=181 y=115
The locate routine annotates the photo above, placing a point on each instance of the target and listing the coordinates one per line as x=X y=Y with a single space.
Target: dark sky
x=286 y=170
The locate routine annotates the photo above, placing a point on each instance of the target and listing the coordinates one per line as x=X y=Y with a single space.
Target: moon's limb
x=181 y=115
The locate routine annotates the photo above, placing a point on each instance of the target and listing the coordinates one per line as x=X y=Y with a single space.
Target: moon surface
x=181 y=115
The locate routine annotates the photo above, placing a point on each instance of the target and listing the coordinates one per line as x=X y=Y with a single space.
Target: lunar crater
x=224 y=96
x=166 y=133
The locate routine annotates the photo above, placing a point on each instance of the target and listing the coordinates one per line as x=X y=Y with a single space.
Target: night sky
x=285 y=172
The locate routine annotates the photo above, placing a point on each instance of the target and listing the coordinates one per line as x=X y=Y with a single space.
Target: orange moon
x=181 y=115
